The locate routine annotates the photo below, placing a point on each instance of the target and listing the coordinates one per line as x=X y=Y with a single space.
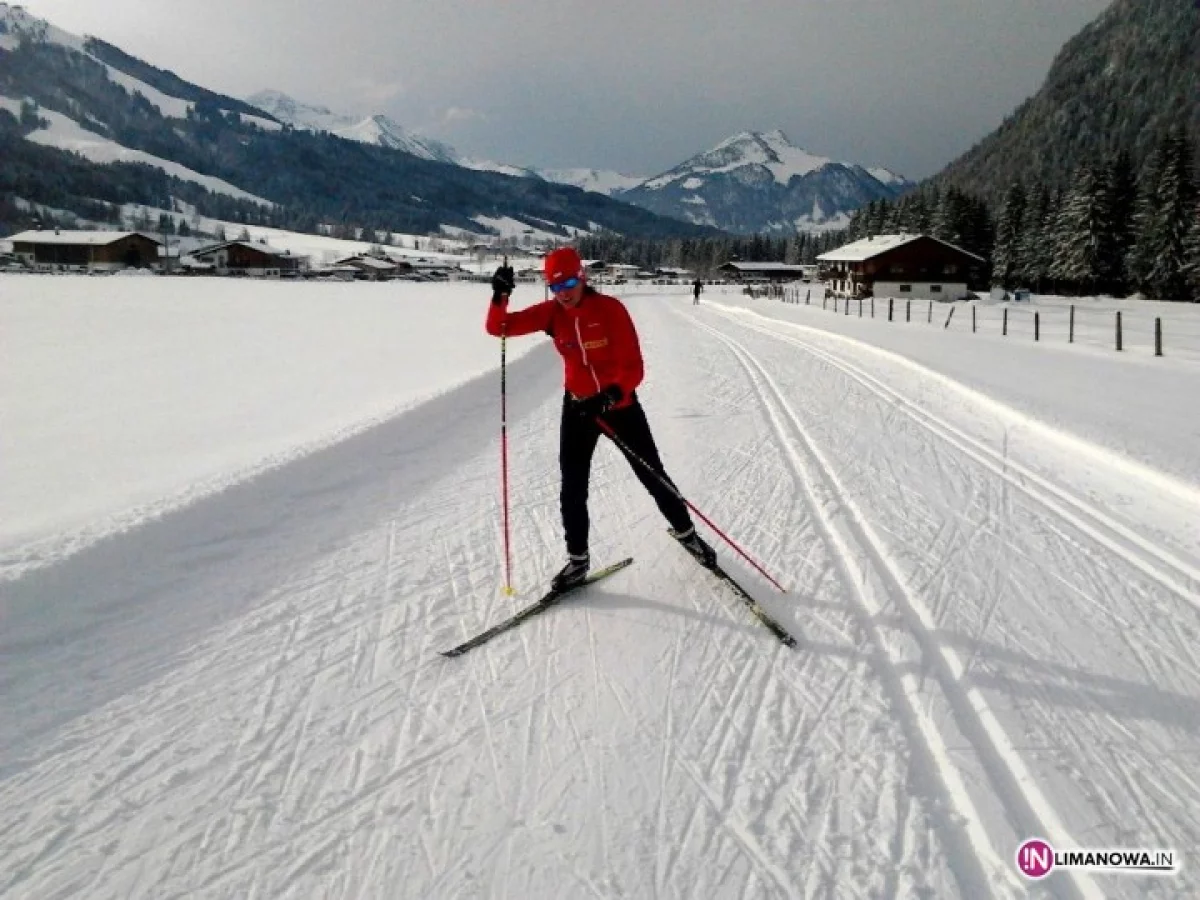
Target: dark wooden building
x=86 y=249
x=245 y=258
x=901 y=265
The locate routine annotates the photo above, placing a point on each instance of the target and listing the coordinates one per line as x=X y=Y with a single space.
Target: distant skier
x=697 y=287
x=602 y=367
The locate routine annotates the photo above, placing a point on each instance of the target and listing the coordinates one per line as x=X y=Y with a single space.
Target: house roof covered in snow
x=76 y=238
x=870 y=247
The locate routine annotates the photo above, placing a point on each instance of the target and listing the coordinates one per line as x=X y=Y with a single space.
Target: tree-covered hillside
x=1119 y=86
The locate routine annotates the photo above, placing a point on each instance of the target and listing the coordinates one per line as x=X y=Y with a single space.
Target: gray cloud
x=621 y=84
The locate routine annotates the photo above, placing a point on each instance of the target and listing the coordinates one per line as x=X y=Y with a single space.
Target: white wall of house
x=920 y=290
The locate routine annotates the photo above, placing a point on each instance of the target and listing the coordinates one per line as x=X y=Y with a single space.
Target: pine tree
x=1080 y=229
x=1006 y=257
x=1192 y=255
x=1120 y=199
x=1033 y=244
x=1170 y=221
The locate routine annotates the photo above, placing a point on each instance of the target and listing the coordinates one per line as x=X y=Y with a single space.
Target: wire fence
x=1142 y=328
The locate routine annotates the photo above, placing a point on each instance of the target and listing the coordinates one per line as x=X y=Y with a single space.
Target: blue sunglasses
x=564 y=285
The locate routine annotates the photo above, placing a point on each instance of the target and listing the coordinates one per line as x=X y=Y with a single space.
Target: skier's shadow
x=608 y=601
x=736 y=619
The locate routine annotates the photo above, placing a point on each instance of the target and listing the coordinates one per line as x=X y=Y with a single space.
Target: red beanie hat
x=562 y=264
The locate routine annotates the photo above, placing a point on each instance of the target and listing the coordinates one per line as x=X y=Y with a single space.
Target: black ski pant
x=577 y=443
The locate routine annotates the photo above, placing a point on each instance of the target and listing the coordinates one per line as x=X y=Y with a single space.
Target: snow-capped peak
x=16 y=23
x=771 y=150
x=597 y=180
x=887 y=176
x=375 y=129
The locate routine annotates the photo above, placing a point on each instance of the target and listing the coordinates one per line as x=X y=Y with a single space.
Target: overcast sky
x=635 y=86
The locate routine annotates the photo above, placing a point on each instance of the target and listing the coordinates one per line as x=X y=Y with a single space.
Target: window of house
x=906 y=288
x=951 y=269
x=935 y=289
x=896 y=270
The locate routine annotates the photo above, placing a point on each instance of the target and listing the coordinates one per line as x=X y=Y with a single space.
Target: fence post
x=1037 y=325
x=908 y=310
x=824 y=301
x=972 y=318
x=1004 y=328
x=807 y=296
x=847 y=309
x=948 y=318
x=860 y=307
x=1157 y=336
x=872 y=306
x=1118 y=331
x=929 y=318
x=1071 y=331
x=891 y=304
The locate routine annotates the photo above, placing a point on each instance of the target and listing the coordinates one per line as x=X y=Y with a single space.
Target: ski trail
x=877 y=585
x=1167 y=568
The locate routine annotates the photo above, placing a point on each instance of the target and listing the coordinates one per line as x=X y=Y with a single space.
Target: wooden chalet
x=901 y=265
x=95 y=250
x=245 y=258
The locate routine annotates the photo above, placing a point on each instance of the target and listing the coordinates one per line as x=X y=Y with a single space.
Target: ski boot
x=572 y=574
x=695 y=545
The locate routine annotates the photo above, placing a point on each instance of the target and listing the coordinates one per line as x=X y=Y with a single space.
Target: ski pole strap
x=666 y=482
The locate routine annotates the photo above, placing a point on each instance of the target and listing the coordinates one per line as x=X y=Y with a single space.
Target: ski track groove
x=1155 y=561
x=847 y=537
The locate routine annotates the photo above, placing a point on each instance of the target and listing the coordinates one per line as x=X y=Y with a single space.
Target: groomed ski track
x=251 y=701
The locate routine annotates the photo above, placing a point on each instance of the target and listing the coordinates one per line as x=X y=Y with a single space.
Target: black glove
x=503 y=283
x=598 y=404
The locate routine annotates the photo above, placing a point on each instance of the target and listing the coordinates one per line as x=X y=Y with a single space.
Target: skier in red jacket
x=602 y=364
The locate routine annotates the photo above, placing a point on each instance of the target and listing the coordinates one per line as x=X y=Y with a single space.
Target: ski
x=549 y=599
x=751 y=604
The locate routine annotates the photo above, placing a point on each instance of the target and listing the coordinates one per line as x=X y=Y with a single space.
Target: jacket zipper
x=583 y=352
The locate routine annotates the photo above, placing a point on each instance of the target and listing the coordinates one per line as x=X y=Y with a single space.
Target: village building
x=245 y=258
x=372 y=268
x=85 y=250
x=765 y=271
x=903 y=266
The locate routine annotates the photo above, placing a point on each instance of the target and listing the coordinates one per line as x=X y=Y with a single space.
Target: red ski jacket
x=596 y=340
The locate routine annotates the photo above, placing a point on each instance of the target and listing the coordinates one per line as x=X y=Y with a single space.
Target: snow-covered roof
x=366 y=262
x=867 y=247
x=766 y=267
x=75 y=238
x=870 y=247
x=253 y=245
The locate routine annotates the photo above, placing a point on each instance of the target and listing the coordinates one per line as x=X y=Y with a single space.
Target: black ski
x=549 y=599
x=751 y=604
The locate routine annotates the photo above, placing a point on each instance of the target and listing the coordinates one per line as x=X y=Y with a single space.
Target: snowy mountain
x=762 y=182
x=386 y=132
x=374 y=129
x=84 y=126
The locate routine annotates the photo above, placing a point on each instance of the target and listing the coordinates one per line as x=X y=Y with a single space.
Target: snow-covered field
x=238 y=520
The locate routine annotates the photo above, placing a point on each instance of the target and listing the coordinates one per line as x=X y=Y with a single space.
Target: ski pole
x=508 y=588
x=607 y=429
